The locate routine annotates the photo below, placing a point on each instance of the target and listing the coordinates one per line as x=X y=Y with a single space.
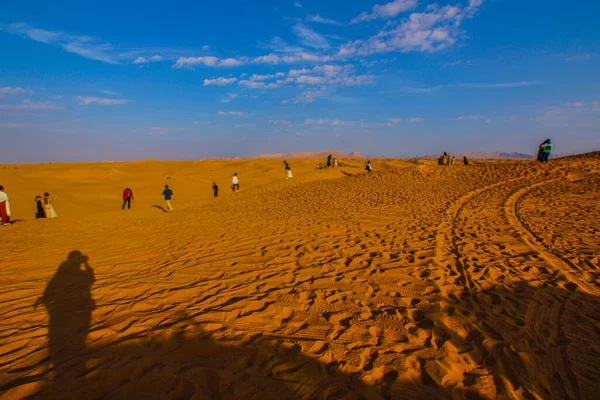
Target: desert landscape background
x=416 y=281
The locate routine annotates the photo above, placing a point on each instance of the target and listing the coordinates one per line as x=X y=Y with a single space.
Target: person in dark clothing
x=127 y=197
x=329 y=158
x=465 y=160
x=288 y=170
x=168 y=193
x=39 y=208
x=540 y=150
x=546 y=151
x=215 y=189
x=368 y=166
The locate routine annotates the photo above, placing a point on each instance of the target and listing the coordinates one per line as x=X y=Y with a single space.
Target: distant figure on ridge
x=368 y=166
x=39 y=208
x=288 y=170
x=546 y=151
x=4 y=207
x=235 y=183
x=445 y=158
x=215 y=189
x=452 y=160
x=541 y=150
x=329 y=160
x=465 y=160
x=127 y=197
x=48 y=207
x=335 y=163
x=168 y=193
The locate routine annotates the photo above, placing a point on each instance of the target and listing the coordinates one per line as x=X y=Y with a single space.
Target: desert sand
x=416 y=281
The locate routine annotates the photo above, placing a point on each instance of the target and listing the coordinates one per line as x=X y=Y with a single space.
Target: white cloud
x=190 y=62
x=417 y=119
x=87 y=100
x=316 y=121
x=310 y=80
x=500 y=85
x=339 y=122
x=470 y=118
x=580 y=57
x=82 y=45
x=242 y=126
x=85 y=46
x=157 y=130
x=29 y=105
x=230 y=62
x=13 y=91
x=308 y=96
x=569 y=112
x=309 y=37
x=283 y=122
x=435 y=29
x=388 y=10
x=297 y=4
x=317 y=18
x=145 y=60
x=219 y=81
x=108 y=92
x=232 y=113
x=228 y=98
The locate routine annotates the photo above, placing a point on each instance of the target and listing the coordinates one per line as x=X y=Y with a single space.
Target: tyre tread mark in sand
x=511 y=210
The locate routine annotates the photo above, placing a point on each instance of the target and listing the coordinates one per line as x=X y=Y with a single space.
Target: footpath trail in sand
x=412 y=282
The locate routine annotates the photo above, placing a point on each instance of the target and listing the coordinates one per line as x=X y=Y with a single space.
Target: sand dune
x=414 y=282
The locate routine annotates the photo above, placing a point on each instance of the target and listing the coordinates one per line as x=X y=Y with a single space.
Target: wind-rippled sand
x=413 y=282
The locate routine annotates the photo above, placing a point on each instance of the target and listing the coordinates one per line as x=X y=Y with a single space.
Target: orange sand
x=414 y=282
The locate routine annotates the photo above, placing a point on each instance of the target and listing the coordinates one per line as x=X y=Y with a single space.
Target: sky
x=190 y=80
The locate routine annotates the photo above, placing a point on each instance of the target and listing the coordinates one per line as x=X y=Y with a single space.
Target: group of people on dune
x=445 y=159
x=43 y=207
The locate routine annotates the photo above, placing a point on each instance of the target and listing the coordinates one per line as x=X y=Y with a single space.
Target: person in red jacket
x=127 y=197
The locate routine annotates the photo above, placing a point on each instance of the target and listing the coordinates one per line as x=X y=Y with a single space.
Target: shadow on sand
x=160 y=208
x=528 y=342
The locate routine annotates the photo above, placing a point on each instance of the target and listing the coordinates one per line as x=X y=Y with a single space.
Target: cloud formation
x=29 y=105
x=87 y=100
x=232 y=113
x=388 y=10
x=435 y=29
x=219 y=81
x=13 y=91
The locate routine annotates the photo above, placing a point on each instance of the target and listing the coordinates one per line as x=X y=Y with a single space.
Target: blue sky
x=186 y=80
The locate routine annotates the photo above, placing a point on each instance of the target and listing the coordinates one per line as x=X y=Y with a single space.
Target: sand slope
x=413 y=282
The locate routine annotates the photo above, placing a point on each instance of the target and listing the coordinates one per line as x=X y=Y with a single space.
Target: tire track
x=511 y=210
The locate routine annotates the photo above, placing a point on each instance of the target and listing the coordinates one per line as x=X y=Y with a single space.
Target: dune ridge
x=412 y=282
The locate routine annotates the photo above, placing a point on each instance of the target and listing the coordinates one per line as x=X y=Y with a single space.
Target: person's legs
x=545 y=157
x=123 y=206
x=169 y=207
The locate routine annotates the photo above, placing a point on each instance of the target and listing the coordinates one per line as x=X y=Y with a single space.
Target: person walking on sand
x=546 y=151
x=235 y=183
x=4 y=207
x=168 y=193
x=39 y=208
x=48 y=207
x=335 y=163
x=452 y=160
x=329 y=158
x=127 y=197
x=215 y=189
x=465 y=160
x=368 y=166
x=288 y=170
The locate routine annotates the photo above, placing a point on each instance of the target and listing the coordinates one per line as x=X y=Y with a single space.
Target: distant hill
x=309 y=154
x=482 y=155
